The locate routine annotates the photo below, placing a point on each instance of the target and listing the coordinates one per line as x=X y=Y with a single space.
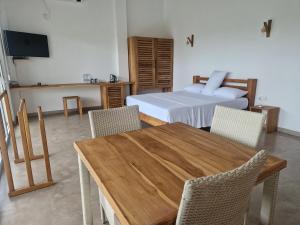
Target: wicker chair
x=109 y=122
x=221 y=199
x=113 y=121
x=238 y=125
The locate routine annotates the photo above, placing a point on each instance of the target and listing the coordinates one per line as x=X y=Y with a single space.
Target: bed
x=190 y=108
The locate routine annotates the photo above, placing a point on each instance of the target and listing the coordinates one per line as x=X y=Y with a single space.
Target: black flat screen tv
x=20 y=44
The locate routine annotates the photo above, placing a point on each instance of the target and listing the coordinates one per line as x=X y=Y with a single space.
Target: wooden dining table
x=142 y=173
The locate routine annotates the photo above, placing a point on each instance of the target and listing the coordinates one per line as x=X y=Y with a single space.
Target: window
x=2 y=105
x=2 y=88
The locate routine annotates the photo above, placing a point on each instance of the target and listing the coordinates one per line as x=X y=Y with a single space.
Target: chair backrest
x=113 y=121
x=220 y=199
x=238 y=125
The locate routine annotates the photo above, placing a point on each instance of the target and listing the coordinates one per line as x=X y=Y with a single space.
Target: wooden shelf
x=67 y=85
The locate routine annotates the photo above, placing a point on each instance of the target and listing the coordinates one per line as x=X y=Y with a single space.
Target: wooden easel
x=23 y=115
x=23 y=123
x=5 y=99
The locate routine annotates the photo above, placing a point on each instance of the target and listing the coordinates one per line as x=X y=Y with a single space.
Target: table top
x=68 y=85
x=264 y=107
x=142 y=173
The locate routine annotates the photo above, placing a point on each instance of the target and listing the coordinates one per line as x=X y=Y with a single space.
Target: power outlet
x=86 y=78
x=263 y=98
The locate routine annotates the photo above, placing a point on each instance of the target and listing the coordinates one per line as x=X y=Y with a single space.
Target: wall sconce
x=190 y=40
x=267 y=28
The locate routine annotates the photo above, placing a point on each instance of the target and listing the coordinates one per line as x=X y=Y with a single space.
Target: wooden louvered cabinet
x=112 y=95
x=164 y=63
x=150 y=63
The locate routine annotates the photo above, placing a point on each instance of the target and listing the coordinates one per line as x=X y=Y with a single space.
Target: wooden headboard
x=246 y=85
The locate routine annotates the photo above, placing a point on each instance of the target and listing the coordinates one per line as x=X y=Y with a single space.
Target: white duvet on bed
x=181 y=106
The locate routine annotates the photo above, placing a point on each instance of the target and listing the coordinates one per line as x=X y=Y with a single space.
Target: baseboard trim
x=71 y=111
x=290 y=132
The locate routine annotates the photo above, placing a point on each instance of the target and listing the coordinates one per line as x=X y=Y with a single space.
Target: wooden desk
x=48 y=86
x=67 y=85
x=142 y=173
x=111 y=94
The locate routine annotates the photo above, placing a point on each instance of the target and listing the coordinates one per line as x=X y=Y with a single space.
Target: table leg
x=269 y=199
x=85 y=193
x=102 y=212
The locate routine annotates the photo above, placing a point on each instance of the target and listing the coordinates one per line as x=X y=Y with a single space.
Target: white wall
x=81 y=40
x=3 y=17
x=228 y=37
x=120 y=25
x=146 y=18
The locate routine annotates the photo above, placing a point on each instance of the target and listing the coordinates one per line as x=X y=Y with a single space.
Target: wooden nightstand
x=272 y=114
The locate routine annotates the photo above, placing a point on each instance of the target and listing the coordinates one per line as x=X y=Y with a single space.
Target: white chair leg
x=85 y=193
x=269 y=199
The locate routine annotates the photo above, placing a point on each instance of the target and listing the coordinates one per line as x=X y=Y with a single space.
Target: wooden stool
x=79 y=105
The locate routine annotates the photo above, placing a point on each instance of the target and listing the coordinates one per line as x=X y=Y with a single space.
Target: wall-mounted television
x=20 y=44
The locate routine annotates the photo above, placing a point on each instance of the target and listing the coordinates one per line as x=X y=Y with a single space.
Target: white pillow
x=215 y=80
x=231 y=93
x=195 y=88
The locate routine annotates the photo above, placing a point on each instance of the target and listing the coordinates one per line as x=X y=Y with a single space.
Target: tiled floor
x=60 y=204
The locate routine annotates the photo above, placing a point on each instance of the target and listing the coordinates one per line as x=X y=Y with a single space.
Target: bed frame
x=248 y=85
